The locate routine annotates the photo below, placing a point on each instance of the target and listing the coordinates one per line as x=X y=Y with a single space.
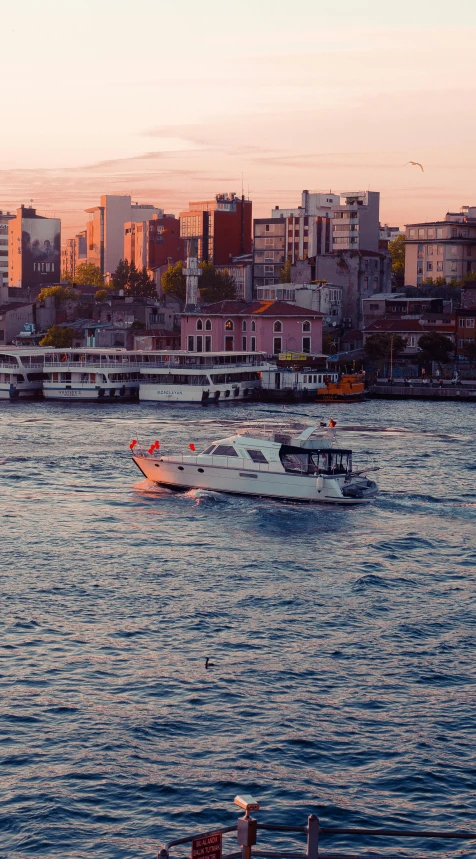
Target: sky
x=178 y=101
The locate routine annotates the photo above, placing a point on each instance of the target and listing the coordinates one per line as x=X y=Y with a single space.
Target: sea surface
x=343 y=639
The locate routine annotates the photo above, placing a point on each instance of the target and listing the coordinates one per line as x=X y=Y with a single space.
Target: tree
x=215 y=285
x=59 y=293
x=379 y=347
x=396 y=248
x=59 y=337
x=101 y=295
x=469 y=351
x=285 y=275
x=173 y=281
x=137 y=283
x=435 y=347
x=88 y=274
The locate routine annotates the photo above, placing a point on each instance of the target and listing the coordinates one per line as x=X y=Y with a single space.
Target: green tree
x=285 y=275
x=469 y=351
x=215 y=285
x=378 y=347
x=59 y=337
x=140 y=284
x=396 y=248
x=120 y=278
x=88 y=274
x=59 y=293
x=101 y=295
x=173 y=281
x=435 y=347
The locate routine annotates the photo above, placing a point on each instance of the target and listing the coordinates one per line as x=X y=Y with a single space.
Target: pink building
x=258 y=326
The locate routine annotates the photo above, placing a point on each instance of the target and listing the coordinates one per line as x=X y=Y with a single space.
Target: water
x=343 y=638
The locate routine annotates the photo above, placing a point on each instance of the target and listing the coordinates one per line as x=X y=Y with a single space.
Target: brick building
x=223 y=227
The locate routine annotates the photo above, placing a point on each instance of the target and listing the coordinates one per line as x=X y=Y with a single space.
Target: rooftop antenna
x=242 y=190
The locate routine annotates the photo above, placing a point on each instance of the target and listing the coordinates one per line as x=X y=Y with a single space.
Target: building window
x=277 y=327
x=421 y=233
x=306 y=326
x=208 y=325
x=277 y=344
x=229 y=325
x=411 y=233
x=208 y=343
x=429 y=250
x=469 y=322
x=199 y=343
x=253 y=344
x=243 y=344
x=454 y=250
x=243 y=325
x=306 y=345
x=439 y=265
x=190 y=343
x=199 y=324
x=420 y=268
x=440 y=250
x=229 y=344
x=253 y=325
x=429 y=266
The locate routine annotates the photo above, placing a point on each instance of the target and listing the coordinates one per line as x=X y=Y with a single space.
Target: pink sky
x=175 y=104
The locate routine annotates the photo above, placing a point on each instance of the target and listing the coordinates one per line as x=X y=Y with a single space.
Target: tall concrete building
x=34 y=249
x=441 y=249
x=223 y=227
x=105 y=229
x=356 y=224
x=150 y=244
x=5 y=218
x=309 y=226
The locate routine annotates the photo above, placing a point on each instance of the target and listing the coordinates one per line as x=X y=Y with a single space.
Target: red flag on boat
x=151 y=449
x=133 y=443
x=332 y=423
x=192 y=446
x=156 y=444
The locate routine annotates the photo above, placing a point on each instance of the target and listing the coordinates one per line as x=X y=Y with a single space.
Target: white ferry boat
x=191 y=377
x=21 y=372
x=305 y=381
x=91 y=374
x=286 y=465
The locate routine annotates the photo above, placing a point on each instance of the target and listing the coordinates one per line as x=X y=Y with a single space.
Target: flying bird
x=415 y=164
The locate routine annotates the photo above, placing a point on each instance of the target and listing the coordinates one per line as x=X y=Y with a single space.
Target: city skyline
x=172 y=105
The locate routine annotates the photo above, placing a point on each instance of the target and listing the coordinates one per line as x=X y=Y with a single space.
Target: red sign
x=208 y=847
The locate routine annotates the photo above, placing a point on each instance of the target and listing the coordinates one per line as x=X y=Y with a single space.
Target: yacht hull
x=190 y=473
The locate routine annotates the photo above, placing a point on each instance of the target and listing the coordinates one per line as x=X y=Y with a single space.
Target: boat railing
x=90 y=366
x=424 y=841
x=15 y=365
x=225 y=461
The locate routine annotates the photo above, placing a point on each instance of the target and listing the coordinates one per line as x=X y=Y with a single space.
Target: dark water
x=343 y=639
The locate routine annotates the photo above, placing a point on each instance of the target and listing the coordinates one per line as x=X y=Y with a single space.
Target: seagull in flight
x=415 y=164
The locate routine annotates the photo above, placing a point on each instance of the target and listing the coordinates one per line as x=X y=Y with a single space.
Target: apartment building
x=356 y=225
x=441 y=249
x=465 y=329
x=5 y=218
x=150 y=244
x=105 y=228
x=222 y=227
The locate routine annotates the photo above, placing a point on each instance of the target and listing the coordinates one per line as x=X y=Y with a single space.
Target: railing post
x=163 y=854
x=312 y=837
x=246 y=835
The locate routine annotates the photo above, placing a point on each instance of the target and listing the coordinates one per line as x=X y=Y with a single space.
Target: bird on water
x=209 y=664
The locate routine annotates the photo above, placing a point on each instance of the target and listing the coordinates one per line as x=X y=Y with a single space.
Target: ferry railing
x=247 y=829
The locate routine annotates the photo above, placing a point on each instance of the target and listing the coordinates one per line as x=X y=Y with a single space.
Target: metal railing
x=247 y=835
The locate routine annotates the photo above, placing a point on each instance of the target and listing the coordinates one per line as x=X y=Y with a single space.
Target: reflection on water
x=342 y=638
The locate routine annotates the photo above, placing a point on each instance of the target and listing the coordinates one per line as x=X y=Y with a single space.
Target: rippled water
x=343 y=639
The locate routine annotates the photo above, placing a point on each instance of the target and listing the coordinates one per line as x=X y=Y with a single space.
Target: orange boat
x=349 y=388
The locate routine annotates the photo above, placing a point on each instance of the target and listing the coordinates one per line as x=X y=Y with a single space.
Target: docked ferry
x=191 y=377
x=21 y=372
x=91 y=374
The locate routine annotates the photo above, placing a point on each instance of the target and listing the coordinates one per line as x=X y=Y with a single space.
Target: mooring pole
x=312 y=837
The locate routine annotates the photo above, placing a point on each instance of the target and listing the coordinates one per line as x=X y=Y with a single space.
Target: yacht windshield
x=330 y=461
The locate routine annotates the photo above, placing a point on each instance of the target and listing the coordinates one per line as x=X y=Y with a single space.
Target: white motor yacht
x=288 y=465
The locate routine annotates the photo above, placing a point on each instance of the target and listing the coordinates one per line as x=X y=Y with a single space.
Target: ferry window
x=306 y=326
x=225 y=450
x=256 y=455
x=199 y=324
x=278 y=326
x=229 y=325
x=208 y=325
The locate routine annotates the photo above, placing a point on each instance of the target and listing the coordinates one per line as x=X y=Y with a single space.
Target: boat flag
x=157 y=444
x=332 y=423
x=192 y=446
x=133 y=443
x=151 y=450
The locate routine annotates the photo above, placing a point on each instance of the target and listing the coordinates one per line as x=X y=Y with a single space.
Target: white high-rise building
x=105 y=228
x=5 y=218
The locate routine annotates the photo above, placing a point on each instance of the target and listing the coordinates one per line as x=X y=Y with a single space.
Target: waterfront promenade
x=418 y=391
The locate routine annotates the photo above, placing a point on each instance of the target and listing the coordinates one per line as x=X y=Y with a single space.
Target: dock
x=400 y=391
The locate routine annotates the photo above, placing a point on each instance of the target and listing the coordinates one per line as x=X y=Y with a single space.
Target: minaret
x=192 y=272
